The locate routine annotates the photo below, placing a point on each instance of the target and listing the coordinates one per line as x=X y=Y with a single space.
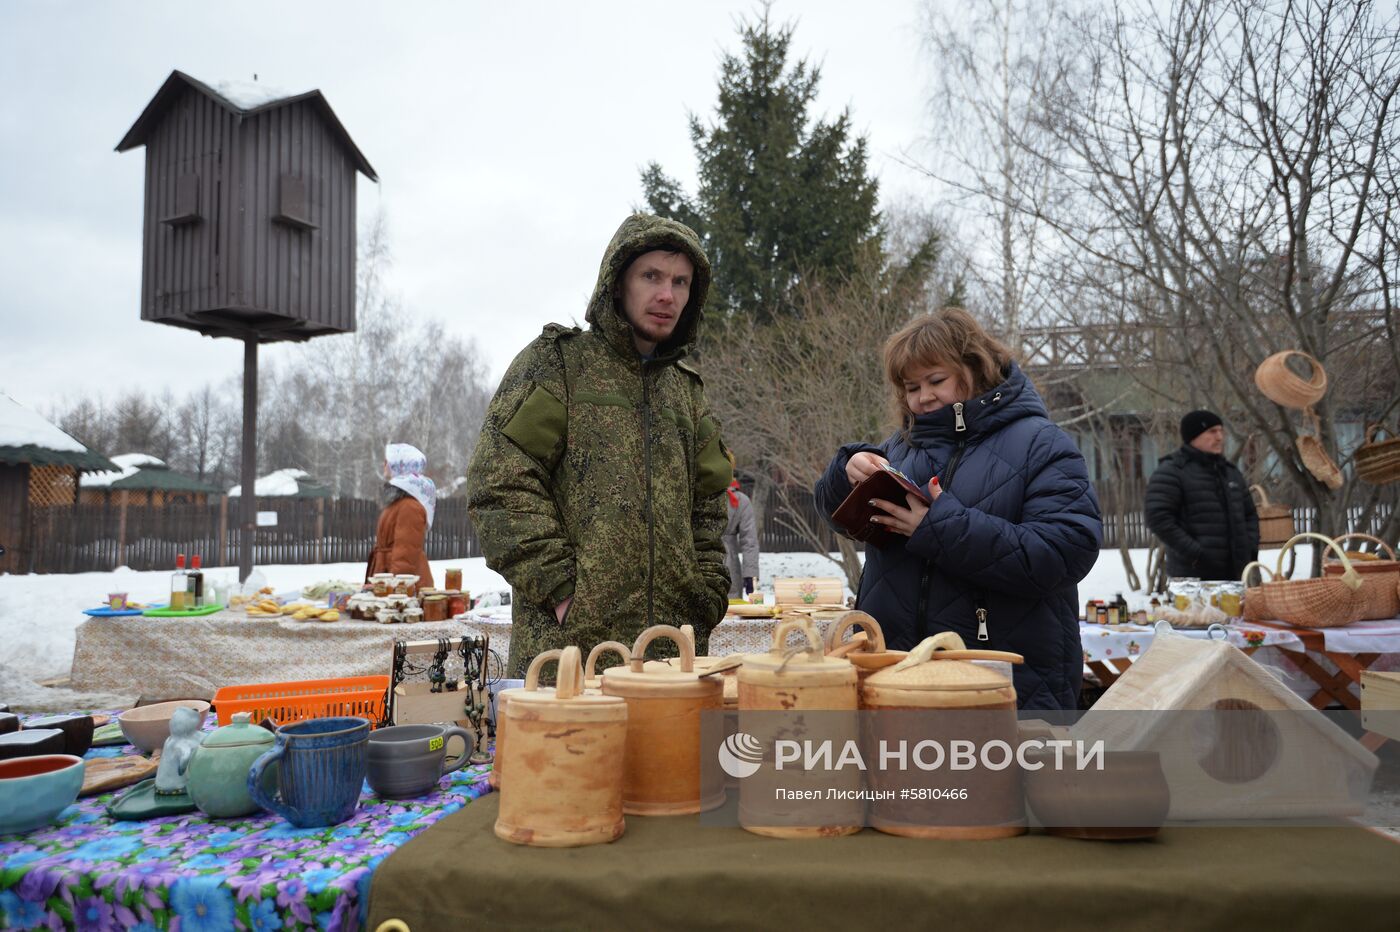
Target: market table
x=735 y=635
x=1321 y=665
x=672 y=872
x=90 y=872
x=193 y=657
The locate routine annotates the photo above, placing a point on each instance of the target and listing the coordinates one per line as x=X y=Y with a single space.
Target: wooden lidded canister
x=725 y=667
x=562 y=784
x=591 y=680
x=866 y=651
x=955 y=700
x=664 y=706
x=493 y=776
x=796 y=680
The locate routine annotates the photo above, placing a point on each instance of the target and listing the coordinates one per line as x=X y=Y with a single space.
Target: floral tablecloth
x=190 y=873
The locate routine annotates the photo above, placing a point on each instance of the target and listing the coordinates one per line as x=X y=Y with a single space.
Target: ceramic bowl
x=1128 y=798
x=33 y=790
x=148 y=726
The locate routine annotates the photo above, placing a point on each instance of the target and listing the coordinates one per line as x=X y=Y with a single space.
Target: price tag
x=435 y=744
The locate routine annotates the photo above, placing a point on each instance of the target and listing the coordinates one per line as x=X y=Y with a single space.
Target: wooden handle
x=639 y=649
x=689 y=632
x=532 y=675
x=598 y=651
x=1349 y=574
x=780 y=634
x=859 y=641
x=1244 y=577
x=1263 y=496
x=570 y=682
x=1375 y=540
x=923 y=652
x=1005 y=656
x=875 y=638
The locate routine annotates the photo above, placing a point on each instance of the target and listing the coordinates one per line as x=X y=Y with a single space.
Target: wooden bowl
x=148 y=726
x=1128 y=798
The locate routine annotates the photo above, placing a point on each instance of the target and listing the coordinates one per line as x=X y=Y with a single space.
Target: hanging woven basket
x=1283 y=386
x=1315 y=458
x=1275 y=521
x=1378 y=461
x=1321 y=602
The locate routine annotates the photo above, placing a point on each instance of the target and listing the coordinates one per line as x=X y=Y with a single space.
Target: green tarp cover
x=674 y=873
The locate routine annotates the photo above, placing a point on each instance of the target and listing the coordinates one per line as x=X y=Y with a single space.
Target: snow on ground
x=39 y=614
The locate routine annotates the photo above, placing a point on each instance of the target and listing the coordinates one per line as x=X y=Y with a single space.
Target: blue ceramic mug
x=321 y=765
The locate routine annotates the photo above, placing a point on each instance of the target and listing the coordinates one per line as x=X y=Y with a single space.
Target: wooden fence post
x=223 y=530
x=320 y=530
x=121 y=531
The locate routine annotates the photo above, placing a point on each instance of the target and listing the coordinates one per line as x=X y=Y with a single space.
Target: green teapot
x=218 y=772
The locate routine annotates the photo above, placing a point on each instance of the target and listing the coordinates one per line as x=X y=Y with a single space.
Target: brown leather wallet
x=855 y=512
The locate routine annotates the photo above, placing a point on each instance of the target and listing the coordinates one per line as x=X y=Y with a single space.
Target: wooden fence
x=98 y=538
x=90 y=538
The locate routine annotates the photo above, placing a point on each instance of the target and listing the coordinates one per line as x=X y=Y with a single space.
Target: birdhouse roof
x=243 y=99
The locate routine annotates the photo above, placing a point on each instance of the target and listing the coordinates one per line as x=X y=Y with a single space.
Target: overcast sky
x=508 y=139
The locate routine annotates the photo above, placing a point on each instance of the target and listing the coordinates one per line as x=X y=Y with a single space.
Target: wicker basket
x=1275 y=521
x=1378 y=461
x=1380 y=579
x=1282 y=386
x=1321 y=602
x=1315 y=458
x=1256 y=605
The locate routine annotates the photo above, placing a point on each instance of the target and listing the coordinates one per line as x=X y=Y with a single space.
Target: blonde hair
x=951 y=337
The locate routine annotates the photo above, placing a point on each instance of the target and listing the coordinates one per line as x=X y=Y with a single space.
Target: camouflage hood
x=641 y=233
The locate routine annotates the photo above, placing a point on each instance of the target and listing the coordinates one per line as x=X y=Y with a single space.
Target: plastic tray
x=112 y=612
x=359 y=696
x=183 y=612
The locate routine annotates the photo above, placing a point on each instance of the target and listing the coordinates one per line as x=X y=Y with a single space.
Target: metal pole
x=248 y=502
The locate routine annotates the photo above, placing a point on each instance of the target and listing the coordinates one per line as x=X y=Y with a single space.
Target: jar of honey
x=457 y=603
x=454 y=580
x=435 y=607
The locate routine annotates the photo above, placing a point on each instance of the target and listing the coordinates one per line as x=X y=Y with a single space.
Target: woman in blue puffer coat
x=1013 y=526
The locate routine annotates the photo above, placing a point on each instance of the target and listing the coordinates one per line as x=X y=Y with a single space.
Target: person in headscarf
x=410 y=498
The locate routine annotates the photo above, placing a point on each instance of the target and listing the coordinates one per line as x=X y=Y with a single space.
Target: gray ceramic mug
x=408 y=760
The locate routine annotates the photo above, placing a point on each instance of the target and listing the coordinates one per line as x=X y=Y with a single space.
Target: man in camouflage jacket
x=597 y=486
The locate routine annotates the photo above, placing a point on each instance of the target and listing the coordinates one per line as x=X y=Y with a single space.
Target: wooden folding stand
x=441 y=697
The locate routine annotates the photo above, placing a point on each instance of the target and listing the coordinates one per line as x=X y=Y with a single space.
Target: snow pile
x=130 y=464
x=20 y=427
x=281 y=482
x=249 y=95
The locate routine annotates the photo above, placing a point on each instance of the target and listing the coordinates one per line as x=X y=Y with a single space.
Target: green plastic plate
x=182 y=613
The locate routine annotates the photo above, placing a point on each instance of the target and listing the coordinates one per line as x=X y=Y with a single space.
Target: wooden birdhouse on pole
x=249 y=227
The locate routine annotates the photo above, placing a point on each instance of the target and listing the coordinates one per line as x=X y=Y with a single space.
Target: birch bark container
x=562 y=780
x=664 y=708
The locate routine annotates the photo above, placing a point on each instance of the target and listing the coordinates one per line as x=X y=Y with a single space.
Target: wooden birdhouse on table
x=1235 y=742
x=249 y=228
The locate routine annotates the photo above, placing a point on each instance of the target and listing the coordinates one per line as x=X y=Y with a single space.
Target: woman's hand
x=863 y=465
x=898 y=519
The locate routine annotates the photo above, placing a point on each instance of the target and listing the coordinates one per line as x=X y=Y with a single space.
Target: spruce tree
x=779 y=195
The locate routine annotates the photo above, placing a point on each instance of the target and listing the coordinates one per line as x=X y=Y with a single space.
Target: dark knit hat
x=1197 y=423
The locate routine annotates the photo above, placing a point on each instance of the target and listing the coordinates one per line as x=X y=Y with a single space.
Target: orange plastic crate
x=360 y=696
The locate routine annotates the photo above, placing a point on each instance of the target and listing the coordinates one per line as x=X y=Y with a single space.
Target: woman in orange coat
x=409 y=500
